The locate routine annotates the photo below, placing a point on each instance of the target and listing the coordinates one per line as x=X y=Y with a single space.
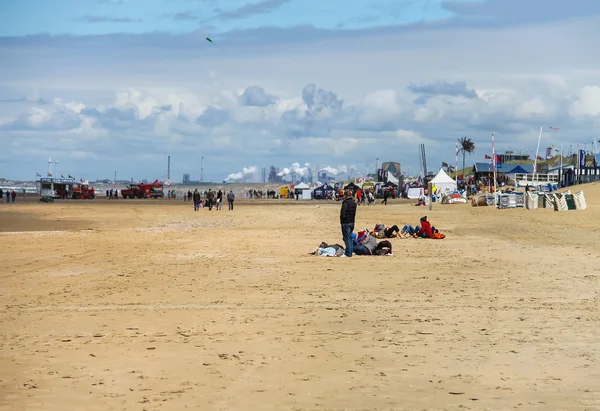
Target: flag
x=62 y=176
x=488 y=157
x=38 y=175
x=581 y=158
x=70 y=176
x=49 y=174
x=444 y=164
x=498 y=161
x=554 y=128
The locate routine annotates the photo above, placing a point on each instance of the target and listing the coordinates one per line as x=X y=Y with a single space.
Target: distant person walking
x=219 y=200
x=230 y=198
x=210 y=197
x=196 y=198
x=13 y=195
x=347 y=217
x=8 y=196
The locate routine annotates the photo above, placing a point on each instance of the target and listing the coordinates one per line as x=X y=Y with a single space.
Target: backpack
x=438 y=236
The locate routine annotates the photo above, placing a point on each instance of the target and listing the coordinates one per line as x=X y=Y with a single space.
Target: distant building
x=145 y=181
x=186 y=179
x=512 y=156
x=323 y=177
x=392 y=168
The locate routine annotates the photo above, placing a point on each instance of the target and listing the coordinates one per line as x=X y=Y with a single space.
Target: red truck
x=154 y=190
x=83 y=191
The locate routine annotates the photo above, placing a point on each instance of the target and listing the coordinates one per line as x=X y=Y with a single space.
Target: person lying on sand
x=381 y=231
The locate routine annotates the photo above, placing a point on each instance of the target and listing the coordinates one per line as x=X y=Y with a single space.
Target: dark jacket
x=196 y=197
x=210 y=195
x=348 y=211
x=230 y=196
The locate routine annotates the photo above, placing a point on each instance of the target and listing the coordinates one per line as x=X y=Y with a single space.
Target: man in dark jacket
x=347 y=216
x=210 y=198
x=230 y=198
x=196 y=198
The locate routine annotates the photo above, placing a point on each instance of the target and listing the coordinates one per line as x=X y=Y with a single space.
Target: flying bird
x=210 y=41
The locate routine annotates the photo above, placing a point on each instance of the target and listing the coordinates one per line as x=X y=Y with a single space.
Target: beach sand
x=141 y=305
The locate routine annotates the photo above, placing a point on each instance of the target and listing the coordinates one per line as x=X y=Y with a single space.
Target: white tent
x=443 y=182
x=393 y=179
x=305 y=191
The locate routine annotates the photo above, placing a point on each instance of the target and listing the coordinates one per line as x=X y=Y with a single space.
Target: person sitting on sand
x=424 y=230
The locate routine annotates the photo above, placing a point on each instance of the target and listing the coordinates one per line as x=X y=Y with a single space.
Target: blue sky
x=89 y=17
x=107 y=86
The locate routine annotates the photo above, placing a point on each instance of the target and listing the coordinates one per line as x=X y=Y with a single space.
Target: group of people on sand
x=212 y=199
x=10 y=195
x=365 y=242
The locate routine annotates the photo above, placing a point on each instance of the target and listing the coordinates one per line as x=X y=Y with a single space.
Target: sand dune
x=153 y=306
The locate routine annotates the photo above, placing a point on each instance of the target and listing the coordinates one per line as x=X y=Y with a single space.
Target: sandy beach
x=147 y=305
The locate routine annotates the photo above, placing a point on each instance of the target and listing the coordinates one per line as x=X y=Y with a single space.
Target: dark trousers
x=361 y=250
x=230 y=203
x=210 y=204
x=347 y=230
x=391 y=230
x=196 y=205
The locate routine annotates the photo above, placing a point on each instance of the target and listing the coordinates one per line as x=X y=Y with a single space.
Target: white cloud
x=587 y=103
x=342 y=100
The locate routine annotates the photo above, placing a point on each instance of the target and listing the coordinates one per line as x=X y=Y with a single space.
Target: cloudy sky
x=118 y=85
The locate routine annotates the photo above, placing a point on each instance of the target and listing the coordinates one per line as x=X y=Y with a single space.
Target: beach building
x=55 y=187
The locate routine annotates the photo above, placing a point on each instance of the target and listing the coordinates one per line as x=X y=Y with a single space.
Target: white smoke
x=296 y=169
x=341 y=169
x=330 y=170
x=243 y=175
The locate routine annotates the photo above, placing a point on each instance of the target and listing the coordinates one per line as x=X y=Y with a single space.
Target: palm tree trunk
x=463 y=169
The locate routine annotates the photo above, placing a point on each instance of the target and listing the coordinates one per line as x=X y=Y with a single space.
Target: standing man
x=210 y=197
x=230 y=198
x=196 y=199
x=347 y=217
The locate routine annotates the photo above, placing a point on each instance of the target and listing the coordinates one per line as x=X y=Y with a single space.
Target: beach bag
x=438 y=236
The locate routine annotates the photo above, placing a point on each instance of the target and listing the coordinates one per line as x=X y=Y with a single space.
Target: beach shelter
x=303 y=190
x=443 y=182
x=352 y=187
x=320 y=192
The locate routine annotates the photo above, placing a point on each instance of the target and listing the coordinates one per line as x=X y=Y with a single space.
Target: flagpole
x=456 y=168
x=578 y=164
x=536 y=153
x=494 y=167
x=561 y=165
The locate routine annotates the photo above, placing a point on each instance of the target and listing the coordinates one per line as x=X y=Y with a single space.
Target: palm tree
x=466 y=146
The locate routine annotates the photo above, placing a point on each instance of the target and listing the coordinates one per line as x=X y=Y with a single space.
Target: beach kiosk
x=303 y=191
x=55 y=187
